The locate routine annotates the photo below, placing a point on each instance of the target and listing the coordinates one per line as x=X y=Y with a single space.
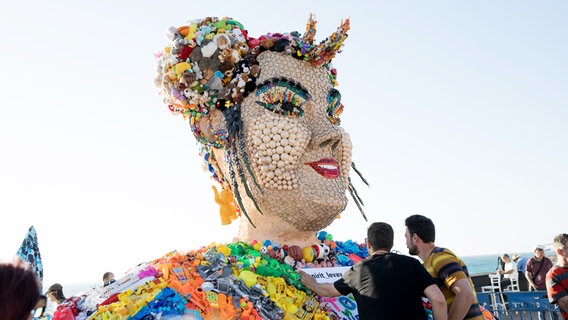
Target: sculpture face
x=299 y=157
x=267 y=116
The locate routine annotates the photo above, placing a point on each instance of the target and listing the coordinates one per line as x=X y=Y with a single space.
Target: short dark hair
x=380 y=235
x=107 y=275
x=422 y=226
x=560 y=241
x=56 y=290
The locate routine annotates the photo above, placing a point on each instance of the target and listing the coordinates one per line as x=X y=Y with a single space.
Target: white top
x=512 y=265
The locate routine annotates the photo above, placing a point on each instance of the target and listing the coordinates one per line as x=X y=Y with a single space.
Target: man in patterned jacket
x=449 y=271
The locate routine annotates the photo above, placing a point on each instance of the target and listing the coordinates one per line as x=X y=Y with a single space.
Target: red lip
x=327 y=167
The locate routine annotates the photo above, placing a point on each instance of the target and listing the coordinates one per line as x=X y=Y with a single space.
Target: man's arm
x=321 y=289
x=528 y=275
x=563 y=303
x=436 y=297
x=463 y=300
x=508 y=271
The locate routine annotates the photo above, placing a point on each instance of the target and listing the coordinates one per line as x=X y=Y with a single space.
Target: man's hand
x=307 y=280
x=321 y=289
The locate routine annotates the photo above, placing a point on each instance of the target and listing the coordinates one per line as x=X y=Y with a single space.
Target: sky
x=457 y=110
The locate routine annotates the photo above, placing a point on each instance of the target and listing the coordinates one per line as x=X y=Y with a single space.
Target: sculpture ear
x=214 y=128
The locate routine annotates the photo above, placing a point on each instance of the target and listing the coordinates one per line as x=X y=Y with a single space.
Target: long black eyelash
x=290 y=108
x=283 y=82
x=286 y=109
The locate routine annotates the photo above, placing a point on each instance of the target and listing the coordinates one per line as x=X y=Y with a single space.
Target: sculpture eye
x=335 y=108
x=283 y=97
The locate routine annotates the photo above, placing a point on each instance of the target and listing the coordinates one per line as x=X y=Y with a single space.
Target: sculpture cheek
x=276 y=144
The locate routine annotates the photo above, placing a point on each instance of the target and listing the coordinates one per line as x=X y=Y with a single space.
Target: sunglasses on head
x=111 y=281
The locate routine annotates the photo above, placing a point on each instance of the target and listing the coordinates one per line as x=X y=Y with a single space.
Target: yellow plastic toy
x=227 y=209
x=308 y=253
x=249 y=277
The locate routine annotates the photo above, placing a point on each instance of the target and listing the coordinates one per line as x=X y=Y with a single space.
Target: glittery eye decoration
x=282 y=96
x=335 y=108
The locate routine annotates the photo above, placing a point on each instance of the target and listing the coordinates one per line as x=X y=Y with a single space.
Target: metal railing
x=519 y=305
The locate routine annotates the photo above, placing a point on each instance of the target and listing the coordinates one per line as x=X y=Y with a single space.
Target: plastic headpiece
x=211 y=64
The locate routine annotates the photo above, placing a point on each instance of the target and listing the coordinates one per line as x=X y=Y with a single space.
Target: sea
x=485 y=263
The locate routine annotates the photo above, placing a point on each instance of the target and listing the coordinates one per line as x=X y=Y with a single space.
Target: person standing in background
x=108 y=278
x=55 y=294
x=557 y=276
x=521 y=263
x=521 y=268
x=537 y=268
x=449 y=271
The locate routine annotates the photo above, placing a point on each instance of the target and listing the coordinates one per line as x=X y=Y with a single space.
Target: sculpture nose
x=329 y=137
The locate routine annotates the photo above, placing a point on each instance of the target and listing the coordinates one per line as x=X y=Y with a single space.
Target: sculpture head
x=267 y=115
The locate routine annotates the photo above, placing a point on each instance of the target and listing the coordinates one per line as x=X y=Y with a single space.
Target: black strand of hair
x=246 y=160
x=358 y=173
x=235 y=185
x=355 y=191
x=242 y=177
x=357 y=202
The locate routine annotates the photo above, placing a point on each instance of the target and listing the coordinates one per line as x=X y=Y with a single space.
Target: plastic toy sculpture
x=266 y=115
x=233 y=281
